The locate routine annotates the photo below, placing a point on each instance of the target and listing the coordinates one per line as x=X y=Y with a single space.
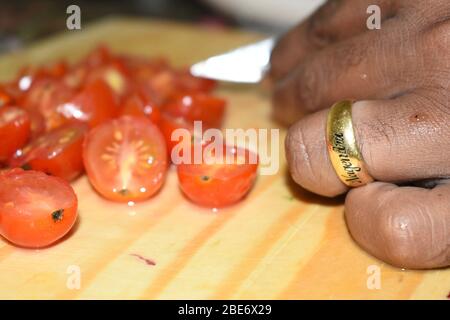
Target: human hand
x=400 y=77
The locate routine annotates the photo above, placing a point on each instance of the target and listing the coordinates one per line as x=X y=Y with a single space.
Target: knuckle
x=306 y=86
x=318 y=32
x=276 y=58
x=298 y=154
x=349 y=54
x=437 y=37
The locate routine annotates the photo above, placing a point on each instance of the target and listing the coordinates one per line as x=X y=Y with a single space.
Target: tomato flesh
x=197 y=107
x=14 y=131
x=45 y=97
x=36 y=210
x=126 y=159
x=58 y=152
x=169 y=124
x=139 y=105
x=93 y=105
x=219 y=184
x=5 y=98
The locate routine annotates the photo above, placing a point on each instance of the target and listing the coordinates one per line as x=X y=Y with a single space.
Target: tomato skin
x=187 y=82
x=58 y=152
x=36 y=210
x=126 y=159
x=5 y=98
x=197 y=106
x=217 y=185
x=98 y=56
x=95 y=104
x=169 y=124
x=114 y=74
x=45 y=96
x=14 y=131
x=37 y=123
x=140 y=106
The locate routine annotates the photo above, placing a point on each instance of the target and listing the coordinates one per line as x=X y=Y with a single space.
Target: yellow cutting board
x=280 y=243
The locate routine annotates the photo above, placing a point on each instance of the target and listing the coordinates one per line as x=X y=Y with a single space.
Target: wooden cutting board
x=280 y=242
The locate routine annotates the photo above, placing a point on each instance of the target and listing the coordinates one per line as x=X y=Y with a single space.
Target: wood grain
x=280 y=242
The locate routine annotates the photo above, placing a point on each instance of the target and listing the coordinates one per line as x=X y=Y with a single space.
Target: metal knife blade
x=246 y=64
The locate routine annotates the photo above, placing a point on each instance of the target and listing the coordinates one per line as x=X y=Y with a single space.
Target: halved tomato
x=197 y=106
x=187 y=82
x=95 y=104
x=58 y=152
x=216 y=182
x=14 y=131
x=169 y=124
x=138 y=105
x=126 y=159
x=115 y=74
x=45 y=96
x=37 y=123
x=98 y=56
x=5 y=98
x=36 y=210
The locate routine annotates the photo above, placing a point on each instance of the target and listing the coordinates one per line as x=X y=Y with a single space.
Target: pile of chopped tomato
x=111 y=116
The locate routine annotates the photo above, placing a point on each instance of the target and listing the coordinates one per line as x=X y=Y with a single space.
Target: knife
x=246 y=64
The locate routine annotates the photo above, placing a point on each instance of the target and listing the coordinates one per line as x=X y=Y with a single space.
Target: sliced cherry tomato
x=36 y=210
x=5 y=98
x=197 y=106
x=98 y=56
x=14 y=131
x=187 y=82
x=115 y=74
x=76 y=76
x=169 y=124
x=37 y=123
x=162 y=85
x=144 y=69
x=126 y=159
x=216 y=182
x=95 y=104
x=46 y=96
x=138 y=105
x=58 y=152
x=58 y=69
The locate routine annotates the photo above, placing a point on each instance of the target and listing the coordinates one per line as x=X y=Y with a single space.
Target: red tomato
x=126 y=159
x=28 y=76
x=76 y=76
x=95 y=104
x=5 y=98
x=36 y=210
x=46 y=96
x=58 y=152
x=14 y=131
x=58 y=69
x=197 y=106
x=162 y=85
x=37 y=123
x=98 y=56
x=169 y=124
x=188 y=82
x=219 y=184
x=138 y=105
x=114 y=74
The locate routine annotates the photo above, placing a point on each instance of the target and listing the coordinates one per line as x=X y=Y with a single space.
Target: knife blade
x=246 y=64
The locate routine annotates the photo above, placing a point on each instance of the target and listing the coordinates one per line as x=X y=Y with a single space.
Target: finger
x=404 y=139
x=408 y=227
x=370 y=66
x=333 y=22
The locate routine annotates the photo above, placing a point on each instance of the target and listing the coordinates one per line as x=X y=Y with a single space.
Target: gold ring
x=344 y=154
